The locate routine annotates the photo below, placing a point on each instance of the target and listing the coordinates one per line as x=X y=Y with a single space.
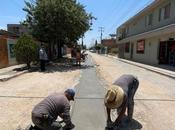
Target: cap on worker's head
x=114 y=97
x=71 y=93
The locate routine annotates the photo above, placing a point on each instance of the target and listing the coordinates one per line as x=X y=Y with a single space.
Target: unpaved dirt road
x=19 y=95
x=155 y=98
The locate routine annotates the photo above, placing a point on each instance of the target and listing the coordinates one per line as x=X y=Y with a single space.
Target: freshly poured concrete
x=88 y=111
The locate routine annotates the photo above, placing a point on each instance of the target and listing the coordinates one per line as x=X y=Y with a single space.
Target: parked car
x=93 y=51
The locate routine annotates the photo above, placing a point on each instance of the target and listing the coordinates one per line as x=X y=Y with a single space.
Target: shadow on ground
x=33 y=68
x=61 y=65
x=65 y=65
x=20 y=69
x=126 y=125
x=57 y=67
x=166 y=67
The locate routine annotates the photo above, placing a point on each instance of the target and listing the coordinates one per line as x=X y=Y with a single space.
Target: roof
x=7 y=33
x=13 y=24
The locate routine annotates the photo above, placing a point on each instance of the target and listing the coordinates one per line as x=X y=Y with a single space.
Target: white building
x=149 y=36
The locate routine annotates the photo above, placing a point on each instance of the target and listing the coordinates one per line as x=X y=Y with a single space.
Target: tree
x=57 y=21
x=99 y=47
x=26 y=50
x=84 y=47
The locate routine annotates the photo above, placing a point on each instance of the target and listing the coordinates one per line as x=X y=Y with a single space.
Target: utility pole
x=82 y=42
x=101 y=30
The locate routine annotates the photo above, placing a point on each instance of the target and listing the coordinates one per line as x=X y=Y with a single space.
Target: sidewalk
x=16 y=70
x=161 y=71
x=11 y=72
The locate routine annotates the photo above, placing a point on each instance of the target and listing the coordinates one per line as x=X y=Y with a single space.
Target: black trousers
x=130 y=101
x=131 y=94
x=42 y=65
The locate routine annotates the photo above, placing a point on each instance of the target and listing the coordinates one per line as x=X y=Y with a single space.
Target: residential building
x=110 y=43
x=110 y=46
x=18 y=29
x=7 y=41
x=149 y=36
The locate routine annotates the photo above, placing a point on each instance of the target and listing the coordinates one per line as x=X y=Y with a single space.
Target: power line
x=127 y=14
x=113 y=10
x=124 y=14
x=118 y=8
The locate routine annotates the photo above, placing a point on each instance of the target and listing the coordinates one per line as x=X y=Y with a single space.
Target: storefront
x=167 y=52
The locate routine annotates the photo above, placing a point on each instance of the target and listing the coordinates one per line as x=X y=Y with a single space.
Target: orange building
x=7 y=41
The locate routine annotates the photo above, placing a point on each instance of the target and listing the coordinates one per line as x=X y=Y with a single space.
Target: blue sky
x=11 y=12
x=109 y=13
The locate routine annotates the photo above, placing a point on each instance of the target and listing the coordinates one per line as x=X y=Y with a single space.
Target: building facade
x=17 y=29
x=149 y=36
x=111 y=43
x=7 y=42
x=110 y=46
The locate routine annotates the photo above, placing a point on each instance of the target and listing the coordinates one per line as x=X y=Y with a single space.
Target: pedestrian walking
x=43 y=57
x=45 y=113
x=120 y=95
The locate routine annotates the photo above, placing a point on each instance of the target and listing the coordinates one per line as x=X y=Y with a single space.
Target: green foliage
x=113 y=51
x=99 y=46
x=84 y=47
x=57 y=20
x=26 y=50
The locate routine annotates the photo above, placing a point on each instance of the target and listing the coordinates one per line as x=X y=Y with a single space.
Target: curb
x=147 y=68
x=13 y=76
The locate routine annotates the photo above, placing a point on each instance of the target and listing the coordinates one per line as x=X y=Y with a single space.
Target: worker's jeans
x=131 y=94
x=130 y=102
